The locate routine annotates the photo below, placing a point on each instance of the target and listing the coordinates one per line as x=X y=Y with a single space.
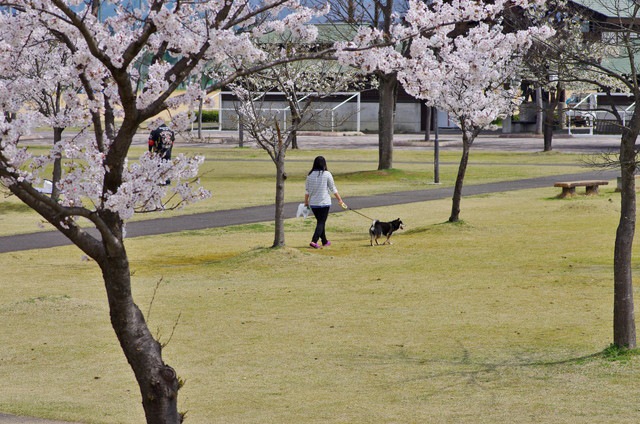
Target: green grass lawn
x=246 y=177
x=500 y=319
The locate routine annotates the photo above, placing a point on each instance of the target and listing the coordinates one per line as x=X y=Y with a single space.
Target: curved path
x=450 y=140
x=225 y=218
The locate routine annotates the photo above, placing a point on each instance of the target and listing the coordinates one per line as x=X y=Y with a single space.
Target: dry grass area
x=500 y=319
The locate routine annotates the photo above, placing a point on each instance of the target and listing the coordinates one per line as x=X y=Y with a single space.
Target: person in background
x=161 y=141
x=318 y=189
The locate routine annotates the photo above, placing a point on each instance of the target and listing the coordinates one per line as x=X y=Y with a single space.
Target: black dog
x=379 y=229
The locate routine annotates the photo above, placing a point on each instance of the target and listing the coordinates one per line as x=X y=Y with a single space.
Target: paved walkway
x=451 y=141
x=225 y=218
x=581 y=145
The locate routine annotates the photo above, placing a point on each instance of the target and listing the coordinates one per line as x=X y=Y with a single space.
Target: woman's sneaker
x=315 y=245
x=328 y=243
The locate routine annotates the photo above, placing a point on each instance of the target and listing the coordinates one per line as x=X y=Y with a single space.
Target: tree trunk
x=57 y=165
x=548 y=121
x=467 y=141
x=427 y=123
x=109 y=120
x=200 y=105
x=624 y=329
x=281 y=176
x=539 y=110
x=295 y=123
x=436 y=147
x=157 y=381
x=240 y=131
x=562 y=105
x=387 y=90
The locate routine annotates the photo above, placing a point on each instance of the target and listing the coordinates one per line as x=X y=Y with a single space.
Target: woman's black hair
x=319 y=164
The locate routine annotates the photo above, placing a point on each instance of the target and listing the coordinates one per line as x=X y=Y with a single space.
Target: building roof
x=611 y=8
x=614 y=15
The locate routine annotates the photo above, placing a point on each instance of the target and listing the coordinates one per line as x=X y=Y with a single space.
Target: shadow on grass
x=443 y=226
x=476 y=372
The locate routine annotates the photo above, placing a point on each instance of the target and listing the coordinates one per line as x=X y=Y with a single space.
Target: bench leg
x=567 y=192
x=592 y=190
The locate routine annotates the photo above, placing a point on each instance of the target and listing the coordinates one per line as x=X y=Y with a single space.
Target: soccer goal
x=338 y=111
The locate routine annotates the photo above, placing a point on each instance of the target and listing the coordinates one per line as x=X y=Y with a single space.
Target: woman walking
x=318 y=189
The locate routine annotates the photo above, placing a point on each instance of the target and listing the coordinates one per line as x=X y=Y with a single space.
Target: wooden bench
x=569 y=187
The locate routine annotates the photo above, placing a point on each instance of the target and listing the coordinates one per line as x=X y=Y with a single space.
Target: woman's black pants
x=321 y=213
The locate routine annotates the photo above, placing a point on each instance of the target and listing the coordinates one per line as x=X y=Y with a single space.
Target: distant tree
x=383 y=15
x=460 y=60
x=471 y=77
x=46 y=82
x=202 y=101
x=546 y=66
x=267 y=128
x=304 y=85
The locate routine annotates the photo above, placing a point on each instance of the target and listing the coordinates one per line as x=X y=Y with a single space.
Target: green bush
x=618 y=353
x=209 y=116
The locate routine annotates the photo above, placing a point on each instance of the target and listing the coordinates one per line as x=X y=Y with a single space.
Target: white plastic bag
x=303 y=211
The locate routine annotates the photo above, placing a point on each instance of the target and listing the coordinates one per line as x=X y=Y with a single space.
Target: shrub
x=209 y=116
x=618 y=353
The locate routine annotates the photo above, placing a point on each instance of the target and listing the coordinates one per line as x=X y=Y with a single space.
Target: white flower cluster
x=155 y=85
x=234 y=50
x=467 y=75
x=14 y=158
x=295 y=24
x=144 y=189
x=471 y=75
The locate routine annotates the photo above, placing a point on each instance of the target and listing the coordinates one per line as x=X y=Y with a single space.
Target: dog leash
x=361 y=214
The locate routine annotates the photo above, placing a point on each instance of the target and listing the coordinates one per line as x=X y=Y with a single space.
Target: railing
x=587 y=116
x=592 y=113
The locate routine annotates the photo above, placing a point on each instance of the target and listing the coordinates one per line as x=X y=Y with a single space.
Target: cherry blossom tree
x=461 y=60
x=46 y=88
x=273 y=135
x=384 y=15
x=303 y=85
x=472 y=77
x=156 y=47
x=548 y=72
